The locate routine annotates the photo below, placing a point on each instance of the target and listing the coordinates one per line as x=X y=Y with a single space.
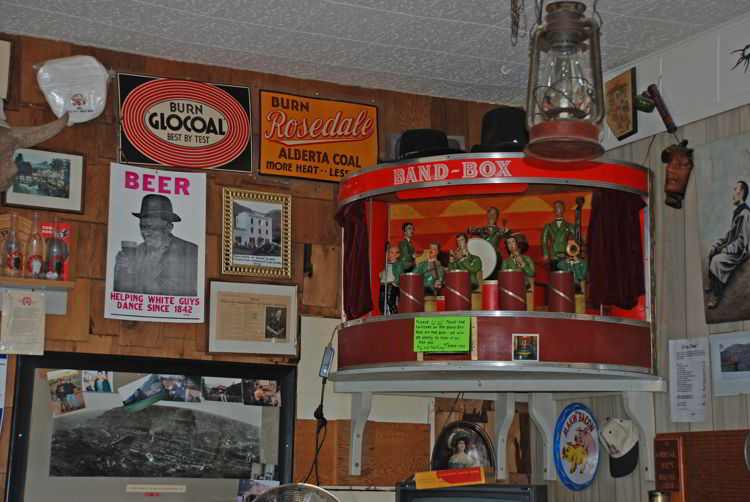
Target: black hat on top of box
x=503 y=130
x=424 y=143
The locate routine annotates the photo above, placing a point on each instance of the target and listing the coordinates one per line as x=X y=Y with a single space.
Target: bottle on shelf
x=55 y=253
x=13 y=250
x=35 y=251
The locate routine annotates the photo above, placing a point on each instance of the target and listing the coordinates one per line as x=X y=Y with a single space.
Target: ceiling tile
x=315 y=48
x=354 y=22
x=431 y=34
x=227 y=34
x=696 y=12
x=485 y=12
x=402 y=60
x=279 y=13
x=649 y=35
x=494 y=43
x=415 y=7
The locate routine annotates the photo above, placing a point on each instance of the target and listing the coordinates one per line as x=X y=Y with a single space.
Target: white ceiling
x=448 y=48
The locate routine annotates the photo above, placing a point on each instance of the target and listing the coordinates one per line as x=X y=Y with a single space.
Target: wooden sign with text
x=668 y=464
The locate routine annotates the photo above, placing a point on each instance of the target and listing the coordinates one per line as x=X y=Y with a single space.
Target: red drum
x=440 y=304
x=411 y=296
x=561 y=292
x=511 y=290
x=489 y=296
x=457 y=290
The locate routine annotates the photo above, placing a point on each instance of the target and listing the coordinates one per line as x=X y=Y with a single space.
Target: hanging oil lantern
x=565 y=99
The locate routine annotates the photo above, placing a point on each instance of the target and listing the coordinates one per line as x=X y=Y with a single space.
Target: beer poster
x=155 y=245
x=183 y=123
x=315 y=138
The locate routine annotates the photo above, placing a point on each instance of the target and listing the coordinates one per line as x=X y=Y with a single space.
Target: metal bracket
x=361 y=405
x=640 y=408
x=505 y=410
x=542 y=411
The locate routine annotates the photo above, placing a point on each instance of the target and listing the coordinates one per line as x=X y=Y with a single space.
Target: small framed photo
x=622 y=116
x=46 y=180
x=462 y=444
x=257 y=234
x=525 y=347
x=253 y=318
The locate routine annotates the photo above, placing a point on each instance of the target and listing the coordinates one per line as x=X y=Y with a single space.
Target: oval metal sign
x=185 y=124
x=576 y=446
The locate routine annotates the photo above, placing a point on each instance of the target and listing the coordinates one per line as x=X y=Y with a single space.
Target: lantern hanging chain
x=517 y=20
x=596 y=13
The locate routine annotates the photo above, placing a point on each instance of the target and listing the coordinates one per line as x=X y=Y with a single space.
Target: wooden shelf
x=23 y=282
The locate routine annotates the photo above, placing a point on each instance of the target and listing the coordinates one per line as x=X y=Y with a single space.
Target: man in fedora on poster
x=163 y=264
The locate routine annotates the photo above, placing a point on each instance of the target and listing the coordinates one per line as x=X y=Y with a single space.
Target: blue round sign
x=576 y=447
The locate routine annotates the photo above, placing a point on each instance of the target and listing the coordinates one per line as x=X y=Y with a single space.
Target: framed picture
x=622 y=117
x=47 y=180
x=257 y=234
x=525 y=347
x=462 y=444
x=200 y=448
x=252 y=318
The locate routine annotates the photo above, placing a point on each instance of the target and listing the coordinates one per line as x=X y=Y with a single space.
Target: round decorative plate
x=576 y=447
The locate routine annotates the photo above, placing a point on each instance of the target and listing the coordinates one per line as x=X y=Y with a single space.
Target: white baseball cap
x=620 y=437
x=76 y=85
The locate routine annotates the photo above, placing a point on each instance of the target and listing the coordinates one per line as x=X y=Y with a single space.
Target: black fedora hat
x=424 y=143
x=157 y=206
x=503 y=130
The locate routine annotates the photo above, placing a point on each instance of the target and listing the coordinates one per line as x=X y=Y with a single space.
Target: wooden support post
x=542 y=411
x=361 y=404
x=640 y=408
x=505 y=410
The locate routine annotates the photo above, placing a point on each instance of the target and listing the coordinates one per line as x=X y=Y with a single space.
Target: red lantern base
x=564 y=141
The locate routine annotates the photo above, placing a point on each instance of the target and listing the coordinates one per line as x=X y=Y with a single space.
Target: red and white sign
x=184 y=123
x=467 y=169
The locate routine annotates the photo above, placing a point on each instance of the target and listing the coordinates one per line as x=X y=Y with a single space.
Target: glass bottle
x=13 y=252
x=35 y=251
x=55 y=253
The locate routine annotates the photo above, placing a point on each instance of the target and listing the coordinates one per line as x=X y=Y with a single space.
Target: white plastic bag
x=76 y=84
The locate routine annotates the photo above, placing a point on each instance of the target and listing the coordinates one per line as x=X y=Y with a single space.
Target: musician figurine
x=432 y=270
x=517 y=245
x=389 y=281
x=573 y=263
x=491 y=232
x=461 y=259
x=408 y=253
x=555 y=236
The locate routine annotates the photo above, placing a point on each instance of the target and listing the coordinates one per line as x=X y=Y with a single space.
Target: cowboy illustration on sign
x=155 y=247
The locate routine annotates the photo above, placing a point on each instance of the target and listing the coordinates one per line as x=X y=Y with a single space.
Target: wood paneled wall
x=84 y=329
x=679 y=305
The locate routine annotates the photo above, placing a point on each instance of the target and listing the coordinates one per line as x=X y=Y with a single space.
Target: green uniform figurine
x=408 y=253
x=491 y=233
x=432 y=270
x=389 y=277
x=517 y=245
x=577 y=266
x=461 y=259
x=555 y=236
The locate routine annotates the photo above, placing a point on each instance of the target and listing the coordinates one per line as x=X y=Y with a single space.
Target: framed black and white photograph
x=46 y=180
x=155 y=245
x=252 y=318
x=206 y=446
x=257 y=234
x=462 y=444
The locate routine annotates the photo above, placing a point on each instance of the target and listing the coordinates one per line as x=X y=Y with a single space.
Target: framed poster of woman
x=462 y=444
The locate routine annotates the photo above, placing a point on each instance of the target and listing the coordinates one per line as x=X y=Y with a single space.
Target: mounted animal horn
x=23 y=137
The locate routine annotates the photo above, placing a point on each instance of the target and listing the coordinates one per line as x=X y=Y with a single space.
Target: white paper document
x=23 y=323
x=688 y=369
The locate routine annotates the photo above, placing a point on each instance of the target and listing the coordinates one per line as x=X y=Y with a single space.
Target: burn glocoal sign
x=183 y=123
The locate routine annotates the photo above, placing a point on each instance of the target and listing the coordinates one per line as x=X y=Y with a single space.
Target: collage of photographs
x=67 y=388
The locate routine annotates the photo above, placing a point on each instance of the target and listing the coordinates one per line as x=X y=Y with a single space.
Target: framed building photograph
x=622 y=117
x=204 y=446
x=462 y=444
x=252 y=318
x=257 y=234
x=46 y=180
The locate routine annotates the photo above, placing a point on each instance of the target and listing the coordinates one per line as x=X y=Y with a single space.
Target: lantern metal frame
x=571 y=138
